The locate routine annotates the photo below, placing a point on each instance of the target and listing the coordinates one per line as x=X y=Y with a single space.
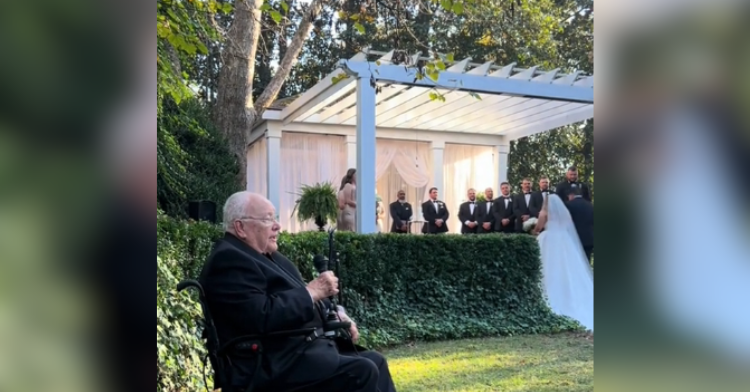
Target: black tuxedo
x=485 y=214
x=562 y=189
x=468 y=212
x=400 y=213
x=251 y=293
x=430 y=214
x=502 y=212
x=520 y=208
x=582 y=213
x=537 y=201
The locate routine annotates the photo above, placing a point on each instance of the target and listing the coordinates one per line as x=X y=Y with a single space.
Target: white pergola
x=484 y=104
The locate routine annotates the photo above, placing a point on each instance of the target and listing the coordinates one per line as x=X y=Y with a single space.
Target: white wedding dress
x=568 y=280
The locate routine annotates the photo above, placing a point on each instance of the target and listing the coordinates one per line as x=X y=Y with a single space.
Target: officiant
x=571 y=181
x=401 y=212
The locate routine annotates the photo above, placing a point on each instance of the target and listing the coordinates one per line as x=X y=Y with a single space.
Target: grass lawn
x=537 y=363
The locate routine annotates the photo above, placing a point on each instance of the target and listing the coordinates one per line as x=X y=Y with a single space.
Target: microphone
x=332 y=324
x=321 y=263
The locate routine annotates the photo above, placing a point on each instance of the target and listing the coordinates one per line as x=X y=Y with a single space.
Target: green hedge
x=398 y=288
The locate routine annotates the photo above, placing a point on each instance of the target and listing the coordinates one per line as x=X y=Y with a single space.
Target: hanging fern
x=317 y=202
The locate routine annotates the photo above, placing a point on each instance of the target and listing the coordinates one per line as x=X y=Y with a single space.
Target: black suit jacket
x=501 y=212
x=250 y=293
x=485 y=215
x=400 y=213
x=582 y=213
x=562 y=189
x=537 y=201
x=466 y=214
x=430 y=215
x=520 y=208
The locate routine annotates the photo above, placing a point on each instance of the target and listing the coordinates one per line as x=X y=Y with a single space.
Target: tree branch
x=290 y=58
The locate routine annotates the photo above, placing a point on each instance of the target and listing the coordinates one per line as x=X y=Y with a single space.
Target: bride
x=567 y=277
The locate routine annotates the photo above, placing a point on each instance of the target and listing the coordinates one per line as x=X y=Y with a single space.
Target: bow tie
x=527 y=193
x=506 y=198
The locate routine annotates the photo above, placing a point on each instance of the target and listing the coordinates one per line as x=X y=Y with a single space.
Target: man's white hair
x=236 y=207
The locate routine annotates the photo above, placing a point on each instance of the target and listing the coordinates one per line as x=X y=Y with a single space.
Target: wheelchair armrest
x=290 y=333
x=271 y=335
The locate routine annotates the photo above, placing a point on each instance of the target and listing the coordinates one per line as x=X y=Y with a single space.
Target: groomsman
x=467 y=213
x=571 y=181
x=505 y=221
x=401 y=213
x=435 y=214
x=484 y=212
x=521 y=204
x=538 y=197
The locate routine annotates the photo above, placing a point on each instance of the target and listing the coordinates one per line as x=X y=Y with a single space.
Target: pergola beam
x=332 y=93
x=558 y=121
x=473 y=83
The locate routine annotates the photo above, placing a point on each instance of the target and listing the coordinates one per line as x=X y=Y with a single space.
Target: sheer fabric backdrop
x=307 y=159
x=257 y=167
x=403 y=165
x=464 y=167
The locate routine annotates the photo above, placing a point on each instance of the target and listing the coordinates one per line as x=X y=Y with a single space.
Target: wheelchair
x=218 y=352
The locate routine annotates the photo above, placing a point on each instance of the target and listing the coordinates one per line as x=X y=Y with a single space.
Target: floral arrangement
x=530 y=224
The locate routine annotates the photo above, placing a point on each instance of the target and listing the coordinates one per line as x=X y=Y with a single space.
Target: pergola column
x=351 y=151
x=365 y=155
x=438 y=148
x=273 y=165
x=501 y=154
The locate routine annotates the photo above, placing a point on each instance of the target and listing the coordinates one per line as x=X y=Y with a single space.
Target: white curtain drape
x=464 y=167
x=402 y=165
x=307 y=159
x=257 y=167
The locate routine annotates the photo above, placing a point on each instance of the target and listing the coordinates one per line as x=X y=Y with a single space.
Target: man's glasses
x=264 y=220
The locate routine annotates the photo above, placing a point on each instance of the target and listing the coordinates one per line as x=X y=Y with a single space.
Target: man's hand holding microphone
x=326 y=285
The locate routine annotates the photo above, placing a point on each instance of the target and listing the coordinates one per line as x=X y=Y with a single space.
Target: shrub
x=401 y=288
x=179 y=247
x=398 y=288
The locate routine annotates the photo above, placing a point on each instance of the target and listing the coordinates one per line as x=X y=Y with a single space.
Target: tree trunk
x=234 y=112
x=290 y=57
x=234 y=96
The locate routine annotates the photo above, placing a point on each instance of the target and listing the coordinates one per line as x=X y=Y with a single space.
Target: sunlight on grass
x=524 y=363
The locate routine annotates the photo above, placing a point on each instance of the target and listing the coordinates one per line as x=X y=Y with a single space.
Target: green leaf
x=265 y=7
x=377 y=62
x=285 y=6
x=446 y=4
x=354 y=17
x=440 y=65
x=458 y=8
x=227 y=8
x=433 y=96
x=339 y=78
x=475 y=95
x=359 y=27
x=449 y=57
x=276 y=16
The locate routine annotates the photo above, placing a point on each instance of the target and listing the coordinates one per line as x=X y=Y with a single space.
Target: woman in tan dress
x=347 y=198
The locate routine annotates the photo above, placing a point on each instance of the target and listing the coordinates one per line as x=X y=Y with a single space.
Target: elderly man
x=252 y=289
